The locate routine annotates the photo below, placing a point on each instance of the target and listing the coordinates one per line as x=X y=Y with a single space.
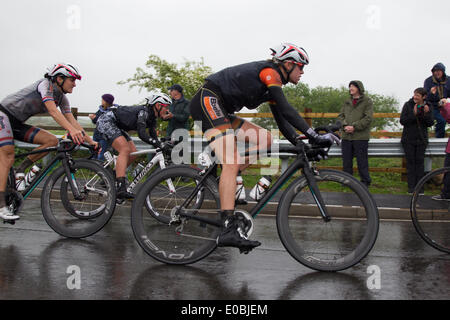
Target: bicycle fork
x=69 y=170
x=314 y=188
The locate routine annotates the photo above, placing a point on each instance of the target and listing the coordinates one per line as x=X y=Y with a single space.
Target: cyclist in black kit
x=43 y=96
x=114 y=124
x=249 y=85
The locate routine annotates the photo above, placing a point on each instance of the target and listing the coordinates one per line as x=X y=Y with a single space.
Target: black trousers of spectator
x=415 y=163
x=358 y=149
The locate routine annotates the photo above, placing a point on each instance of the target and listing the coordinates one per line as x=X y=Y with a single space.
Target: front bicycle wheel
x=430 y=210
x=95 y=185
x=82 y=217
x=339 y=243
x=163 y=234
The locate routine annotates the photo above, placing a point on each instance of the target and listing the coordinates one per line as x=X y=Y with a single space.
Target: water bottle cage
x=265 y=187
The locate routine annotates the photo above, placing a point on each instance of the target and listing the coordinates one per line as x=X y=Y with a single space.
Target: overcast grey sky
x=389 y=45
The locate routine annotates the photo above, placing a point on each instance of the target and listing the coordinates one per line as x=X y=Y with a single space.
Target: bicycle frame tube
x=312 y=183
x=41 y=176
x=308 y=174
x=158 y=158
x=198 y=186
x=22 y=155
x=62 y=155
x=293 y=168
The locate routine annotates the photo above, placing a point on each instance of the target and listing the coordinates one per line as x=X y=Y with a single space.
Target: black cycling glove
x=322 y=140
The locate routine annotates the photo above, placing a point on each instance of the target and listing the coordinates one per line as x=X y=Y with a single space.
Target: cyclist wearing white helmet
x=249 y=85
x=115 y=123
x=43 y=96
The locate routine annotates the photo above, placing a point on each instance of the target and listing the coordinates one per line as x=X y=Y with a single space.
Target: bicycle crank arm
x=196 y=237
x=184 y=214
x=102 y=192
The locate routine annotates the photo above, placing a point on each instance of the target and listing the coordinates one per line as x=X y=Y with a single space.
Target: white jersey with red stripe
x=29 y=101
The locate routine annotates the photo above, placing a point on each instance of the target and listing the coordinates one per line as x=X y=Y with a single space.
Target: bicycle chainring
x=245 y=222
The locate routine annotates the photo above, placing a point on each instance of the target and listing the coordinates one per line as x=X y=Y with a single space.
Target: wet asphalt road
x=37 y=263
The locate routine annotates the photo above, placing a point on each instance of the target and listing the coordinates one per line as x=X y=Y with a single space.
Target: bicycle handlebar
x=330 y=128
x=72 y=146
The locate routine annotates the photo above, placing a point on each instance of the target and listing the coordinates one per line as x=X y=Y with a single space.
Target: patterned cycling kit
x=118 y=120
x=16 y=108
x=246 y=85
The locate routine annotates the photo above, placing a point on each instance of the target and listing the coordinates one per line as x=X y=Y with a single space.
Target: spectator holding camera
x=178 y=115
x=416 y=117
x=437 y=87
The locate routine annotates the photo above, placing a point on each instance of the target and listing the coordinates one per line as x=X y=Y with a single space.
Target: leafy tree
x=158 y=74
x=328 y=100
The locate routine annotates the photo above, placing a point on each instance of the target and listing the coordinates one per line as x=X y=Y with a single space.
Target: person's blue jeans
x=105 y=146
x=440 y=123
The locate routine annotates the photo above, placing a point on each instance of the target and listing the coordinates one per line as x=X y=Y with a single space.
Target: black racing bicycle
x=430 y=210
x=81 y=185
x=326 y=219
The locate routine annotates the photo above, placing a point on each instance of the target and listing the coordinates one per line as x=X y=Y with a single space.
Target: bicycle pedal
x=11 y=222
x=240 y=202
x=245 y=250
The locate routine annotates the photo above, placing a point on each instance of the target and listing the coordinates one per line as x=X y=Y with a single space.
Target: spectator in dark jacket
x=107 y=102
x=438 y=87
x=179 y=113
x=416 y=117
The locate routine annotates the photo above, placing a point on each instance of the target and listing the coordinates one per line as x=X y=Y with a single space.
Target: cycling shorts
x=207 y=106
x=107 y=127
x=11 y=128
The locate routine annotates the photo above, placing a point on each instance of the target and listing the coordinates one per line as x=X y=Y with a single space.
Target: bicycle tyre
x=430 y=217
x=81 y=214
x=324 y=250
x=160 y=239
x=62 y=221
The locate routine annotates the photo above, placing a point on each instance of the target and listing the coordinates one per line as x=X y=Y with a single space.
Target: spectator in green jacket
x=356 y=117
x=179 y=113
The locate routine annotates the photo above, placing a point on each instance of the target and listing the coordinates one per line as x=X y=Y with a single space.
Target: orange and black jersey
x=251 y=84
x=246 y=85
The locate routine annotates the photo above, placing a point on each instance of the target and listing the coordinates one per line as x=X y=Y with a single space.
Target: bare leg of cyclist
x=225 y=148
x=258 y=137
x=6 y=162
x=226 y=152
x=45 y=140
x=132 y=149
x=124 y=148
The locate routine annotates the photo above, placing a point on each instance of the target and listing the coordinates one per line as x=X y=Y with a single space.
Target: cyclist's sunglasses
x=300 y=65
x=162 y=106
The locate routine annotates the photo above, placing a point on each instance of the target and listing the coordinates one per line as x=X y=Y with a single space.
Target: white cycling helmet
x=65 y=70
x=290 y=52
x=158 y=97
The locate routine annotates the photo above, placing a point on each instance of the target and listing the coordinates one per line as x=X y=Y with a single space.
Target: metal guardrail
x=384 y=148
